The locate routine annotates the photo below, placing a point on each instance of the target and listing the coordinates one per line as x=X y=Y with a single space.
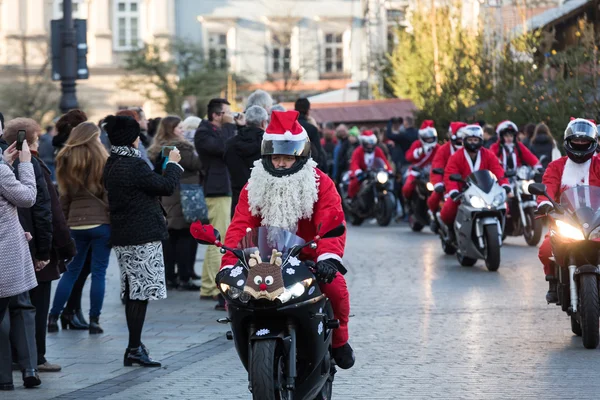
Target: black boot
x=140 y=357
x=343 y=356
x=95 y=325
x=79 y=318
x=552 y=296
x=52 y=323
x=70 y=321
x=31 y=378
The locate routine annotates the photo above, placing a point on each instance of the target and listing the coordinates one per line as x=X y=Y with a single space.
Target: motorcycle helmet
x=585 y=133
x=427 y=135
x=456 y=136
x=472 y=131
x=368 y=140
x=506 y=127
x=285 y=136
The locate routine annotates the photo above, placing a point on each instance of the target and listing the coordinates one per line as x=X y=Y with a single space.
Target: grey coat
x=17 y=274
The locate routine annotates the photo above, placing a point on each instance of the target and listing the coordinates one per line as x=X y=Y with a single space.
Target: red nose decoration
x=263 y=286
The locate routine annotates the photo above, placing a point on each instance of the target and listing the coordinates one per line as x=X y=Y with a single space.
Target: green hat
x=354 y=131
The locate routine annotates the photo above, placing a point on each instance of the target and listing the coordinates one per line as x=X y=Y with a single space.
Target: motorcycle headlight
x=477 y=202
x=525 y=186
x=569 y=231
x=230 y=291
x=499 y=199
x=295 y=291
x=382 y=177
x=430 y=186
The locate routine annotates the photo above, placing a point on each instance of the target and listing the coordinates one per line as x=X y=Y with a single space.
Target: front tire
x=414 y=225
x=266 y=370
x=385 y=210
x=492 y=243
x=589 y=310
x=448 y=248
x=534 y=233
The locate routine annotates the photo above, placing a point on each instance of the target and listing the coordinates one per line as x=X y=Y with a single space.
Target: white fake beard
x=575 y=174
x=283 y=201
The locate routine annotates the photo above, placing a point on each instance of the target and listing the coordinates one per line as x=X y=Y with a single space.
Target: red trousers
x=433 y=202
x=409 y=187
x=353 y=187
x=544 y=254
x=337 y=292
x=449 y=211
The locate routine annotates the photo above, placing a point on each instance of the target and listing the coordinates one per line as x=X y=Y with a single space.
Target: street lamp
x=68 y=99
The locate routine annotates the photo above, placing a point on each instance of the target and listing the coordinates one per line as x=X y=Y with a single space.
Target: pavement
x=423 y=327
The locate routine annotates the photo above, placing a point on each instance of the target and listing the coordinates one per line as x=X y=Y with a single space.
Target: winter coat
x=16 y=267
x=563 y=174
x=240 y=153
x=521 y=155
x=317 y=153
x=37 y=220
x=358 y=162
x=545 y=150
x=210 y=144
x=417 y=157
x=461 y=163
x=84 y=208
x=342 y=155
x=491 y=141
x=136 y=215
x=328 y=203
x=191 y=174
x=440 y=160
x=402 y=142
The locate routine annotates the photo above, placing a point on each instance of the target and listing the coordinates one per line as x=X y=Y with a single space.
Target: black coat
x=240 y=153
x=136 y=215
x=210 y=145
x=488 y=143
x=37 y=220
x=402 y=142
x=543 y=146
x=317 y=152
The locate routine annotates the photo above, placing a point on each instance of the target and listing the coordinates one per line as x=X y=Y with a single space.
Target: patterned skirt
x=142 y=271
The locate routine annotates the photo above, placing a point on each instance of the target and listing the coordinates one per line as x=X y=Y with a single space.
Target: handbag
x=193 y=204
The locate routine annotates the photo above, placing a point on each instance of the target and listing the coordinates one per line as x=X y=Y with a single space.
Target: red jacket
x=440 y=160
x=563 y=174
x=526 y=156
x=460 y=163
x=422 y=159
x=357 y=162
x=329 y=203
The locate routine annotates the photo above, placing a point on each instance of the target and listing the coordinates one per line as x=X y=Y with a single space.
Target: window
x=217 y=50
x=79 y=9
x=281 y=53
x=334 y=53
x=126 y=28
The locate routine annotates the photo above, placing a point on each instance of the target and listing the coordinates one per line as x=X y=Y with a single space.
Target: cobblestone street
x=423 y=327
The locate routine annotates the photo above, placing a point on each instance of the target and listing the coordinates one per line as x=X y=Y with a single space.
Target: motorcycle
x=281 y=322
x=418 y=212
x=479 y=222
x=375 y=199
x=521 y=220
x=575 y=241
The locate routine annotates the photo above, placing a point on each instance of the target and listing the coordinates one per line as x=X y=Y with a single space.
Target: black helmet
x=285 y=136
x=585 y=130
x=472 y=131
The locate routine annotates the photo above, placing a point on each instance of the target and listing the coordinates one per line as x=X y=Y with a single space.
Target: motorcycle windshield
x=265 y=239
x=584 y=203
x=483 y=179
x=378 y=164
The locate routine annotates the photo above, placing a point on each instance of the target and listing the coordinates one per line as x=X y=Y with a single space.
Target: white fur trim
x=504 y=157
x=477 y=161
x=504 y=125
x=575 y=174
x=417 y=152
x=447 y=196
x=283 y=201
x=227 y=267
x=173 y=162
x=438 y=184
x=544 y=202
x=326 y=256
x=414 y=173
x=286 y=136
x=357 y=171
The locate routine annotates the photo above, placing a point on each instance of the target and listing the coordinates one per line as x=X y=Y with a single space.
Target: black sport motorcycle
x=281 y=322
x=418 y=212
x=522 y=206
x=575 y=241
x=375 y=199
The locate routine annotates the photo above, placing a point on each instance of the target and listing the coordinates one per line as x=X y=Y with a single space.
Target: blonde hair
x=542 y=128
x=165 y=133
x=80 y=163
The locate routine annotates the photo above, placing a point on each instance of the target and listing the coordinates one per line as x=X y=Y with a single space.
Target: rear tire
x=465 y=261
x=385 y=210
x=265 y=366
x=492 y=244
x=575 y=327
x=589 y=310
x=533 y=234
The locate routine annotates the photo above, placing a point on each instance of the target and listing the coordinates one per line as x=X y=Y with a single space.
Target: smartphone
x=166 y=150
x=236 y=115
x=20 y=139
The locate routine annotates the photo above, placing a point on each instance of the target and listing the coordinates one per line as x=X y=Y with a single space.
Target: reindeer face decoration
x=265 y=280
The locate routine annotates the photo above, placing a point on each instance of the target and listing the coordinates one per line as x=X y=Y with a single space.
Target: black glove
x=454 y=195
x=327 y=269
x=507 y=189
x=439 y=189
x=221 y=274
x=544 y=209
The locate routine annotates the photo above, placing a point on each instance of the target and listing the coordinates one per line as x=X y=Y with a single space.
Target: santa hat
x=428 y=123
x=505 y=125
x=368 y=137
x=455 y=126
x=284 y=126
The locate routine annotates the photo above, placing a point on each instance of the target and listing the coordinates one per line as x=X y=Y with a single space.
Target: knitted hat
x=455 y=126
x=122 y=131
x=354 y=131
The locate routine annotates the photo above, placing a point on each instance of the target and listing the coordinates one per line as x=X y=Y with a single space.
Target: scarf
x=125 y=151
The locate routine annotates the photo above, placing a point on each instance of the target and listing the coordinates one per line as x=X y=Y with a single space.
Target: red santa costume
x=516 y=155
x=297 y=202
x=461 y=163
x=420 y=154
x=364 y=158
x=440 y=160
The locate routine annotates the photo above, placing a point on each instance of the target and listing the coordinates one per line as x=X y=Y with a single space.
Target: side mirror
x=456 y=178
x=205 y=234
x=510 y=173
x=335 y=232
x=539 y=189
x=438 y=171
